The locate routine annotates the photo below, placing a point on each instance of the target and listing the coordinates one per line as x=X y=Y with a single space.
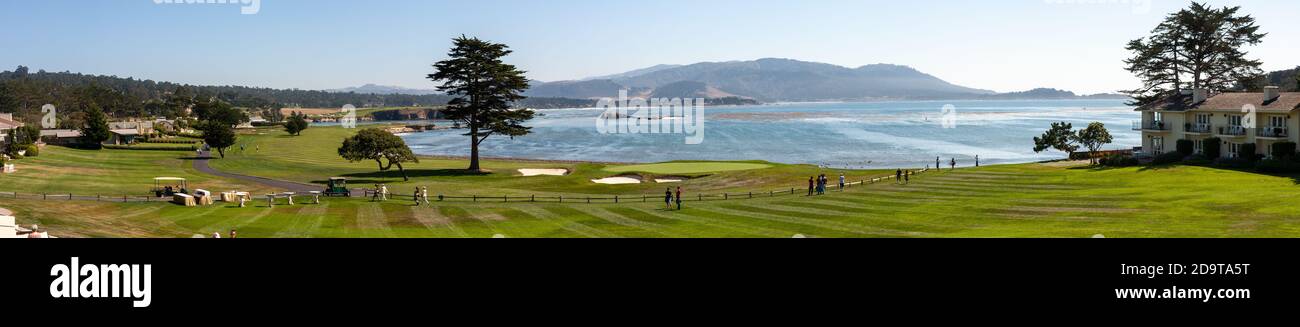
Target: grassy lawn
x=313 y=158
x=1029 y=200
x=687 y=168
x=106 y=172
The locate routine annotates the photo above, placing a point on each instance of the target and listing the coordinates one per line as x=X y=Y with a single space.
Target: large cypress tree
x=1197 y=47
x=485 y=88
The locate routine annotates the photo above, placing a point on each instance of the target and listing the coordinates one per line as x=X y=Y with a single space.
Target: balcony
x=1272 y=132
x=1198 y=128
x=1232 y=131
x=1157 y=126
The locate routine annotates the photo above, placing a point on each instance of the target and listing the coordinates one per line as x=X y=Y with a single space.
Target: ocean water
x=844 y=135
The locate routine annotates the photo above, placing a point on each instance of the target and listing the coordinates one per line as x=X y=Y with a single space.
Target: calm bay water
x=853 y=135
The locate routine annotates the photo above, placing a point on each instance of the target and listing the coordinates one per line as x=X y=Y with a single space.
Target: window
x=1277 y=122
x=1234 y=150
x=1198 y=146
x=1202 y=119
x=1158 y=145
x=1234 y=121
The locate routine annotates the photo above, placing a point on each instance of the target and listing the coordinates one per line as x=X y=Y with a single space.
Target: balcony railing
x=1199 y=128
x=1273 y=132
x=1150 y=126
x=1232 y=131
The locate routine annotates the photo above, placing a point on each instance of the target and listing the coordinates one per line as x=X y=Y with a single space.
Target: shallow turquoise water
x=849 y=135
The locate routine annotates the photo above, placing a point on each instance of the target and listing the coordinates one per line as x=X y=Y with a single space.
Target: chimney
x=1271 y=93
x=1199 y=95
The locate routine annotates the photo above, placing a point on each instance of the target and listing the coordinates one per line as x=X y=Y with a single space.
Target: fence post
x=588 y=200
x=726 y=196
x=476 y=198
x=701 y=197
x=532 y=198
x=615 y=199
x=751 y=195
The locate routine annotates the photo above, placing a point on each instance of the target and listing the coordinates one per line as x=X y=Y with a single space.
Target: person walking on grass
x=937 y=166
x=810 y=186
x=679 y=198
x=977 y=161
x=424 y=195
x=898 y=176
x=953 y=165
x=841 y=182
x=907 y=177
x=415 y=196
x=668 y=198
x=383 y=192
x=374 y=197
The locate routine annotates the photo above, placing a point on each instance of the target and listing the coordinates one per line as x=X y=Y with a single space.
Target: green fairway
x=1027 y=200
x=1031 y=200
x=687 y=168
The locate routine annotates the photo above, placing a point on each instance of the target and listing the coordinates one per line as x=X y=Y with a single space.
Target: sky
x=1002 y=45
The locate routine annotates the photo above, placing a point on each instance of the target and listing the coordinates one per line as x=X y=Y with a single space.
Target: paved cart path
x=202 y=166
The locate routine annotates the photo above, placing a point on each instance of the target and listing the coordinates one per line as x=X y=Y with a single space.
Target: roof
x=61 y=133
x=128 y=132
x=9 y=123
x=168 y=179
x=1235 y=101
x=1285 y=102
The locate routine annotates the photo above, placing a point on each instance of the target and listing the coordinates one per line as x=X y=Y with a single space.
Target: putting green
x=687 y=167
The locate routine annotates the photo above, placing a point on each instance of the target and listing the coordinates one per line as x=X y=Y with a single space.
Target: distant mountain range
x=383 y=89
x=766 y=80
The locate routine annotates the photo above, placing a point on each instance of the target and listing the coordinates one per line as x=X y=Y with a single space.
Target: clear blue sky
x=1003 y=45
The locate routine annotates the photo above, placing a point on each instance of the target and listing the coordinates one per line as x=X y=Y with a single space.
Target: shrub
x=1283 y=150
x=1168 y=159
x=1275 y=166
x=1116 y=160
x=152 y=147
x=1198 y=160
x=1249 y=152
x=1186 y=147
x=1212 y=148
x=33 y=150
x=1234 y=163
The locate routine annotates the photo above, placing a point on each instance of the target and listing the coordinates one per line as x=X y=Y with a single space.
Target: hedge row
x=152 y=147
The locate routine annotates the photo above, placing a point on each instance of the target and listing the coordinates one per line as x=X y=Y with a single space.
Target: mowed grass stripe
x=569 y=213
x=872 y=218
x=734 y=229
x=653 y=228
x=566 y=224
x=472 y=226
x=435 y=223
x=811 y=220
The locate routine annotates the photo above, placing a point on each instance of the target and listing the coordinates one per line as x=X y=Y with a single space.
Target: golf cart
x=338 y=186
x=168 y=186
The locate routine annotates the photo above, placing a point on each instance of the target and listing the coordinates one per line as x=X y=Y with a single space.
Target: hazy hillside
x=384 y=89
x=767 y=80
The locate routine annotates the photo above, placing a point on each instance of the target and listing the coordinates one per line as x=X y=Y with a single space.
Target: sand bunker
x=669 y=180
x=543 y=172
x=622 y=180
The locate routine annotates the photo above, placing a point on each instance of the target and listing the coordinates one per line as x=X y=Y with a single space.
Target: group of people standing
x=420 y=196
x=669 y=198
x=817 y=185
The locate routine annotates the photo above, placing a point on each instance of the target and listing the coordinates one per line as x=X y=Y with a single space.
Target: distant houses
x=7 y=125
x=1198 y=115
